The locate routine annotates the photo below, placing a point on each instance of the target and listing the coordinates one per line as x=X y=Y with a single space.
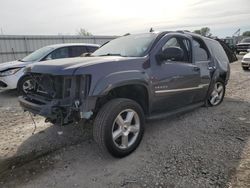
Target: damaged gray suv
x=128 y=80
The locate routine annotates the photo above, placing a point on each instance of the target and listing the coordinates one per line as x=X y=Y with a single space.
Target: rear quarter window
x=218 y=52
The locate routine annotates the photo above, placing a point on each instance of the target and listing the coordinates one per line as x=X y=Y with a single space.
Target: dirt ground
x=208 y=147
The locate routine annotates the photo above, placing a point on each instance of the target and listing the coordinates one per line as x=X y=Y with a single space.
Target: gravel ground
x=208 y=147
x=22 y=140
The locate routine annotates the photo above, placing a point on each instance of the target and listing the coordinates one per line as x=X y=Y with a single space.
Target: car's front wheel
x=119 y=126
x=217 y=95
x=25 y=85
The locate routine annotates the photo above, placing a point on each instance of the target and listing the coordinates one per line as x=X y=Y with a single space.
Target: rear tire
x=217 y=95
x=119 y=127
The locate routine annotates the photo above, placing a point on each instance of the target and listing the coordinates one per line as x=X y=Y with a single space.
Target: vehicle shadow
x=46 y=141
x=199 y=148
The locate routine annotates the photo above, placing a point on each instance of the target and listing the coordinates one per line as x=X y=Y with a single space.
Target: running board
x=174 y=112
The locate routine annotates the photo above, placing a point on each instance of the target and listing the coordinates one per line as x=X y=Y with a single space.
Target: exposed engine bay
x=59 y=98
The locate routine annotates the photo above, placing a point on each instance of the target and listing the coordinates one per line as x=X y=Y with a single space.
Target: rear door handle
x=196 y=68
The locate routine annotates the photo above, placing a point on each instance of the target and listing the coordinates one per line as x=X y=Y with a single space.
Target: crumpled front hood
x=70 y=65
x=12 y=64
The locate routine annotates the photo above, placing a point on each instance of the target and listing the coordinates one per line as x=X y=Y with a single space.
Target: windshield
x=127 y=46
x=37 y=55
x=246 y=40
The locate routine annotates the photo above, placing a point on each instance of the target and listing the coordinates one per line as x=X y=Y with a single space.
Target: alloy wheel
x=126 y=128
x=28 y=85
x=217 y=94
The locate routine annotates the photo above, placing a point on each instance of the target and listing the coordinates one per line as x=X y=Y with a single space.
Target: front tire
x=119 y=127
x=217 y=95
x=25 y=85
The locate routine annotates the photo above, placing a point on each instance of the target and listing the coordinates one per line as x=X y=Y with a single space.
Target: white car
x=11 y=73
x=245 y=62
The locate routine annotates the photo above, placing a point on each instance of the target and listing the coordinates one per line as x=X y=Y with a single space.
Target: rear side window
x=77 y=51
x=200 y=51
x=91 y=49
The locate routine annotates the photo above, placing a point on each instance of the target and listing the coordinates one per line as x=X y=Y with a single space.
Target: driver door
x=176 y=81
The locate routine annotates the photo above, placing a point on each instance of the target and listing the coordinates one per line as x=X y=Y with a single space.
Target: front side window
x=171 y=43
x=127 y=46
x=37 y=55
x=58 y=54
x=182 y=43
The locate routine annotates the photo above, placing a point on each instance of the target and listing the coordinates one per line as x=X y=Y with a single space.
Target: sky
x=117 y=17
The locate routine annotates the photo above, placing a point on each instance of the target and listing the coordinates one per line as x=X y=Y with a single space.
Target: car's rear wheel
x=119 y=126
x=25 y=85
x=217 y=95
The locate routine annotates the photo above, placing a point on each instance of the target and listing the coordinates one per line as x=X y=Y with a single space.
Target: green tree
x=246 y=34
x=84 y=32
x=204 y=31
x=197 y=31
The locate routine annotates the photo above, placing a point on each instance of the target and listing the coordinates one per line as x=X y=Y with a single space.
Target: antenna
x=151 y=30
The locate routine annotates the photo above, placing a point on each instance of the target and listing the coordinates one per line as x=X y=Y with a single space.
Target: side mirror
x=170 y=54
x=87 y=54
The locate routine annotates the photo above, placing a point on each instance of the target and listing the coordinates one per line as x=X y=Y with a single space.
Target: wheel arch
x=137 y=91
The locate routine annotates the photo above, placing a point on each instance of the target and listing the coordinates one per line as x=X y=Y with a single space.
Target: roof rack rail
x=180 y=31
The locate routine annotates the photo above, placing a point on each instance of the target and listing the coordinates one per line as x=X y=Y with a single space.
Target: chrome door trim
x=182 y=89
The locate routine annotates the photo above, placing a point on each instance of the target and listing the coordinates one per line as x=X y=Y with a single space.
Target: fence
x=14 y=47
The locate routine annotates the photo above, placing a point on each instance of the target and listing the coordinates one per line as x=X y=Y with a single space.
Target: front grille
x=60 y=87
x=48 y=86
x=244 y=64
x=246 y=59
x=243 y=47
